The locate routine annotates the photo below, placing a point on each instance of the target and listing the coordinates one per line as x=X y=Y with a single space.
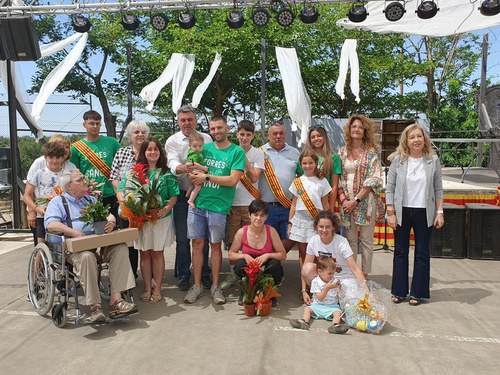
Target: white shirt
x=316 y=189
x=177 y=147
x=332 y=296
x=338 y=249
x=242 y=197
x=40 y=163
x=414 y=194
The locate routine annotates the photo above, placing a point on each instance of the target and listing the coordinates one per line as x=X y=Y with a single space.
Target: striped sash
x=249 y=186
x=93 y=158
x=301 y=191
x=274 y=183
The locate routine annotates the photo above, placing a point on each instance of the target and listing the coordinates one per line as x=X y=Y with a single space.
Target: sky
x=68 y=118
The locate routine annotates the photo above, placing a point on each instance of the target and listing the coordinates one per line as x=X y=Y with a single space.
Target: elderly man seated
x=85 y=262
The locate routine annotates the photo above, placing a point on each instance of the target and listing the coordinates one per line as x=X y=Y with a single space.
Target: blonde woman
x=414 y=197
x=359 y=190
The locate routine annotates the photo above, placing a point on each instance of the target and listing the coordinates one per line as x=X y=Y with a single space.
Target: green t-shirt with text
x=214 y=197
x=105 y=148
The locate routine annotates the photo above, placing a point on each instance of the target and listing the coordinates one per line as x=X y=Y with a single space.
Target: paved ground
x=458 y=332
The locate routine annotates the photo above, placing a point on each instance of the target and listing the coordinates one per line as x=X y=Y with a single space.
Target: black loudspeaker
x=483 y=234
x=449 y=241
x=18 y=41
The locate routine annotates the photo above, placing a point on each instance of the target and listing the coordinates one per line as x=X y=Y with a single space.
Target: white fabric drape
x=297 y=100
x=453 y=17
x=348 y=56
x=56 y=76
x=51 y=48
x=179 y=70
x=202 y=87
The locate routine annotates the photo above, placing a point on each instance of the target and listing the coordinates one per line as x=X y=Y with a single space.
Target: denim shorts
x=206 y=224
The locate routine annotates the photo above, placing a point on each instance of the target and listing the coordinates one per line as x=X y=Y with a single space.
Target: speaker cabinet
x=449 y=241
x=18 y=41
x=483 y=235
x=391 y=131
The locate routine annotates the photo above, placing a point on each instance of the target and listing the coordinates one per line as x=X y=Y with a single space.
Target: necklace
x=414 y=170
x=255 y=235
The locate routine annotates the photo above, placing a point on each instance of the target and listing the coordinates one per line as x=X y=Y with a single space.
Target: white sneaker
x=217 y=296
x=193 y=294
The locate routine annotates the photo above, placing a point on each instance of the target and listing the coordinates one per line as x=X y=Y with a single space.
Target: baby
x=325 y=305
x=195 y=155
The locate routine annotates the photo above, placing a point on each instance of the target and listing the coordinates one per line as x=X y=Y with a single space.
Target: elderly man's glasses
x=80 y=179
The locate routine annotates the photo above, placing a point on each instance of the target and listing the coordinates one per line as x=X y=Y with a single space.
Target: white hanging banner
x=51 y=48
x=298 y=102
x=200 y=90
x=348 y=56
x=56 y=76
x=181 y=79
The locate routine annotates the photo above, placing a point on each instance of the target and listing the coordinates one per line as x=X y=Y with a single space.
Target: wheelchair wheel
x=41 y=288
x=104 y=284
x=59 y=314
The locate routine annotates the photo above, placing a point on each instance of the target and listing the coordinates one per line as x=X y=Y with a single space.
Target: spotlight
x=80 y=23
x=130 y=22
x=186 y=20
x=260 y=17
x=427 y=9
x=276 y=5
x=394 y=11
x=490 y=7
x=159 y=21
x=357 y=13
x=285 y=17
x=309 y=14
x=235 y=19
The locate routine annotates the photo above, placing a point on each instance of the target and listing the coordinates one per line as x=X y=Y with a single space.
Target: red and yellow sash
x=301 y=191
x=249 y=186
x=274 y=184
x=93 y=158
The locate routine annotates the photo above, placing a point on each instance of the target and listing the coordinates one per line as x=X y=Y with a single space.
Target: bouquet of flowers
x=44 y=200
x=94 y=212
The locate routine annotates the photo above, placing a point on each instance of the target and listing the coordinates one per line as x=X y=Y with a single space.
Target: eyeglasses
x=80 y=179
x=316 y=127
x=93 y=124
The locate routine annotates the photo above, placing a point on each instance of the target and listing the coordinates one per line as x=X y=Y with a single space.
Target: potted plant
x=95 y=214
x=254 y=282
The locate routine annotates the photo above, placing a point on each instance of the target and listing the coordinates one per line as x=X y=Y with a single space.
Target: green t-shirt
x=336 y=166
x=214 y=197
x=196 y=157
x=105 y=148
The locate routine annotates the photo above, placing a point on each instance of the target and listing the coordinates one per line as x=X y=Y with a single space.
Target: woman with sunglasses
x=328 y=161
x=360 y=187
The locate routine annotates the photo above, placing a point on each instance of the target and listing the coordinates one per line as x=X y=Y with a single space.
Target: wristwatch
x=357 y=199
x=207 y=178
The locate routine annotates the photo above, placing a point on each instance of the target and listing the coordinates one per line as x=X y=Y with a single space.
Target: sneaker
x=193 y=294
x=121 y=308
x=217 y=296
x=206 y=281
x=338 y=328
x=183 y=285
x=229 y=281
x=299 y=324
x=97 y=315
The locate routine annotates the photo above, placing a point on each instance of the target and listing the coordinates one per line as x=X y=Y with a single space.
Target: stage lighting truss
x=395 y=10
x=186 y=19
x=80 y=23
x=309 y=13
x=130 y=22
x=490 y=7
x=358 y=12
x=427 y=9
x=285 y=17
x=260 y=17
x=159 y=21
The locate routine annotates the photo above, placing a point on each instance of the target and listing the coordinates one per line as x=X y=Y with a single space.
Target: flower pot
x=99 y=227
x=249 y=309
x=153 y=213
x=265 y=309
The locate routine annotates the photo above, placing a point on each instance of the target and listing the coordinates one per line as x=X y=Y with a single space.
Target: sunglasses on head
x=316 y=127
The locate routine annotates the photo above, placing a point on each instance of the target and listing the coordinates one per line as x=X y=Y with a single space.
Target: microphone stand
x=385 y=247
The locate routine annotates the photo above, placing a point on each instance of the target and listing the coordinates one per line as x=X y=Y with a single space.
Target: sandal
x=145 y=296
x=156 y=298
x=414 y=301
x=397 y=299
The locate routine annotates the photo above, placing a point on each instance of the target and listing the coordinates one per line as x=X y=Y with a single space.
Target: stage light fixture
x=235 y=19
x=260 y=17
x=80 y=23
x=394 y=11
x=276 y=5
x=285 y=17
x=159 y=21
x=309 y=14
x=130 y=22
x=427 y=9
x=358 y=12
x=186 y=19
x=490 y=7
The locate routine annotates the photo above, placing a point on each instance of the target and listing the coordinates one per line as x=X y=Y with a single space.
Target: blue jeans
x=415 y=218
x=278 y=218
x=182 y=245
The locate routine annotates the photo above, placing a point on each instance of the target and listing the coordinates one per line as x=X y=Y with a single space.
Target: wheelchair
x=51 y=277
